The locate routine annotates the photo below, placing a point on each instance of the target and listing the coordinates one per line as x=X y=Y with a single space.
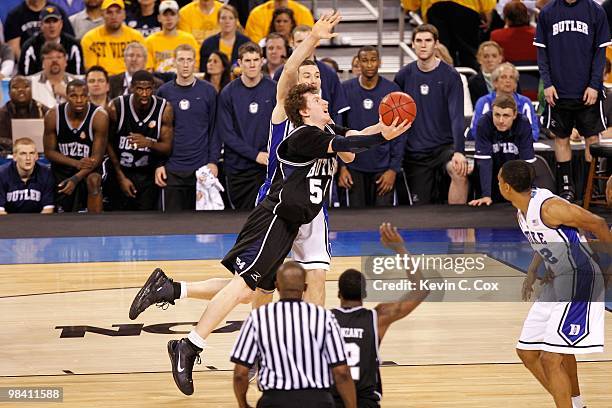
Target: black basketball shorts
x=573 y=113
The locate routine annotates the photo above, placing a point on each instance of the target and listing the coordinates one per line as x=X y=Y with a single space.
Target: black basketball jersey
x=75 y=143
x=128 y=122
x=359 y=328
x=305 y=173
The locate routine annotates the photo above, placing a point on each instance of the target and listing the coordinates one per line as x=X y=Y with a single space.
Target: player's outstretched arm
x=391 y=312
x=556 y=212
x=359 y=143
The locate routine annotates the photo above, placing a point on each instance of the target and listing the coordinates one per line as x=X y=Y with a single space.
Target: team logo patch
x=132 y=24
x=184 y=104
x=253 y=107
x=152 y=124
x=424 y=89
x=368 y=104
x=83 y=135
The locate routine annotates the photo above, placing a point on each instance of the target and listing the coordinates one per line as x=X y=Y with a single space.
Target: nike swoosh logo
x=158 y=289
x=178 y=364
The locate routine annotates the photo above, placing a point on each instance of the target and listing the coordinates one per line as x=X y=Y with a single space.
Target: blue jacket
x=524 y=107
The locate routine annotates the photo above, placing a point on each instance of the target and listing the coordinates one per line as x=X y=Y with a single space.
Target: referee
x=299 y=348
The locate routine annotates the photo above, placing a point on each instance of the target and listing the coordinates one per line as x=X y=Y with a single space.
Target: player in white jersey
x=568 y=316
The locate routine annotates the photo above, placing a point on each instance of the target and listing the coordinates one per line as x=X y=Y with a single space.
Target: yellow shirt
x=101 y=48
x=258 y=24
x=226 y=49
x=478 y=6
x=160 y=50
x=202 y=26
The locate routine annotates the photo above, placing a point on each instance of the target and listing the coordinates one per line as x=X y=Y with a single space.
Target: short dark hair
x=516 y=13
x=295 y=102
x=249 y=47
x=51 y=46
x=97 y=68
x=331 y=61
x=143 y=76
x=277 y=12
x=426 y=28
x=352 y=285
x=505 y=102
x=75 y=83
x=368 y=48
x=19 y=78
x=519 y=174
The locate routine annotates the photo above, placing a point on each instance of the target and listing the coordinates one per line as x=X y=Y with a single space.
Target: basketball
x=397 y=104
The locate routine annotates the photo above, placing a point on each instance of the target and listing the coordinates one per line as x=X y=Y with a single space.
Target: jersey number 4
x=316 y=192
x=353 y=357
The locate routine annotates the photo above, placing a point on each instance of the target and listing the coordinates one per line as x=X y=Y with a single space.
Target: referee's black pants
x=293 y=398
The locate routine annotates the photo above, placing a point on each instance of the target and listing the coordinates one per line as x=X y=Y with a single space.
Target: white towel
x=208 y=196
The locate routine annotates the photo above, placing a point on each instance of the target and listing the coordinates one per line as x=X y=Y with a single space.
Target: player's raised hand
x=394 y=129
x=390 y=238
x=323 y=28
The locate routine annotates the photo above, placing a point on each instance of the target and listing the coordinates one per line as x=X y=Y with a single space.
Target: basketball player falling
x=568 y=316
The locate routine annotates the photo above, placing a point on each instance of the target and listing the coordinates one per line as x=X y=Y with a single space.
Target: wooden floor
x=57 y=320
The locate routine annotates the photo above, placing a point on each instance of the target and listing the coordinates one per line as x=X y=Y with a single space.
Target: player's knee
x=247 y=297
x=94 y=183
x=551 y=360
x=315 y=277
x=528 y=357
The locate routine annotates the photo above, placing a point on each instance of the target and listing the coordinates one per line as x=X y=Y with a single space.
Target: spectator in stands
x=104 y=45
x=30 y=61
x=435 y=142
x=243 y=122
x=87 y=19
x=161 y=45
x=20 y=106
x=218 y=70
x=370 y=179
x=142 y=17
x=71 y=7
x=200 y=18
x=516 y=38
x=25 y=185
x=444 y=55
x=355 y=67
x=276 y=50
x=135 y=56
x=459 y=23
x=194 y=103
x=505 y=80
x=331 y=89
x=283 y=22
x=7 y=61
x=331 y=63
x=49 y=85
x=607 y=103
x=503 y=135
x=23 y=22
x=227 y=41
x=490 y=55
x=97 y=85
x=260 y=19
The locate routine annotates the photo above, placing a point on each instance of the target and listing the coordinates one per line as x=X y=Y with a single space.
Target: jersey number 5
x=316 y=192
x=353 y=356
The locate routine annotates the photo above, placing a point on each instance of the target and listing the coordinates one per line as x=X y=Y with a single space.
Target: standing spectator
x=572 y=37
x=285 y=374
x=87 y=19
x=276 y=49
x=49 y=85
x=7 y=61
x=97 y=85
x=283 y=23
x=71 y=7
x=490 y=55
x=355 y=67
x=505 y=80
x=105 y=45
x=435 y=143
x=444 y=55
x=370 y=179
x=25 y=185
x=23 y=22
x=218 y=70
x=20 y=106
x=200 y=18
x=194 y=103
x=30 y=61
x=243 y=122
x=135 y=56
x=258 y=24
x=143 y=18
x=161 y=45
x=227 y=41
x=516 y=38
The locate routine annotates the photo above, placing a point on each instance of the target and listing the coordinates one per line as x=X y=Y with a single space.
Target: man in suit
x=135 y=60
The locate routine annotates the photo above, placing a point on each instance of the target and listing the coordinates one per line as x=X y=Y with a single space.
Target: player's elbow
x=347 y=157
x=341 y=374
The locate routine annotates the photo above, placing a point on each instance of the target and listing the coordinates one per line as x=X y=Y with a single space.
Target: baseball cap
x=50 y=12
x=107 y=3
x=168 y=5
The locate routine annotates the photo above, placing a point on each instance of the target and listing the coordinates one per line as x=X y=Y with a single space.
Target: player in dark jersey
x=140 y=134
x=74 y=141
x=363 y=329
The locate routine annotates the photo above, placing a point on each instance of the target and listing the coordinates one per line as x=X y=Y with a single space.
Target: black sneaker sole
x=173 y=363
x=155 y=275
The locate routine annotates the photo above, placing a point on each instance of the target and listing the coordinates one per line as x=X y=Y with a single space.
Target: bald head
x=291 y=280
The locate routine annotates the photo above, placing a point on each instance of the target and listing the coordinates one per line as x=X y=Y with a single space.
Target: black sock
x=177 y=289
x=564 y=176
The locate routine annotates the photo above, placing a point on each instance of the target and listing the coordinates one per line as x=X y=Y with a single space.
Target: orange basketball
x=397 y=104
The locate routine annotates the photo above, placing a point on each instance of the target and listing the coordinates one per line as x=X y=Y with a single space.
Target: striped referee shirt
x=296 y=342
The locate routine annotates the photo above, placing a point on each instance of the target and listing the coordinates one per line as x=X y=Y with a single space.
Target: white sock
x=577 y=402
x=184 y=291
x=198 y=341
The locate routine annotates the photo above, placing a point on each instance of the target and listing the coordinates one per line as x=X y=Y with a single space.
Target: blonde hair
x=442 y=52
x=489 y=44
x=23 y=141
x=184 y=47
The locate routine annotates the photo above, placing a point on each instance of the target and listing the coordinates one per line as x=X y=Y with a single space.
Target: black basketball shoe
x=157 y=289
x=183 y=356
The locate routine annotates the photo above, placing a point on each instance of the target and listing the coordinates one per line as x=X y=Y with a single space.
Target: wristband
x=74 y=179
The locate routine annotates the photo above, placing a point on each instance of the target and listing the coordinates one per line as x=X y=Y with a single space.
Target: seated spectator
x=260 y=19
x=49 y=85
x=142 y=17
x=97 y=85
x=20 y=106
x=283 y=22
x=102 y=45
x=51 y=25
x=25 y=185
x=200 y=18
x=218 y=70
x=355 y=67
x=161 y=45
x=87 y=19
x=505 y=79
x=503 y=135
x=227 y=41
x=444 y=55
x=135 y=56
x=71 y=7
x=516 y=38
x=489 y=56
x=7 y=61
x=23 y=22
x=275 y=52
